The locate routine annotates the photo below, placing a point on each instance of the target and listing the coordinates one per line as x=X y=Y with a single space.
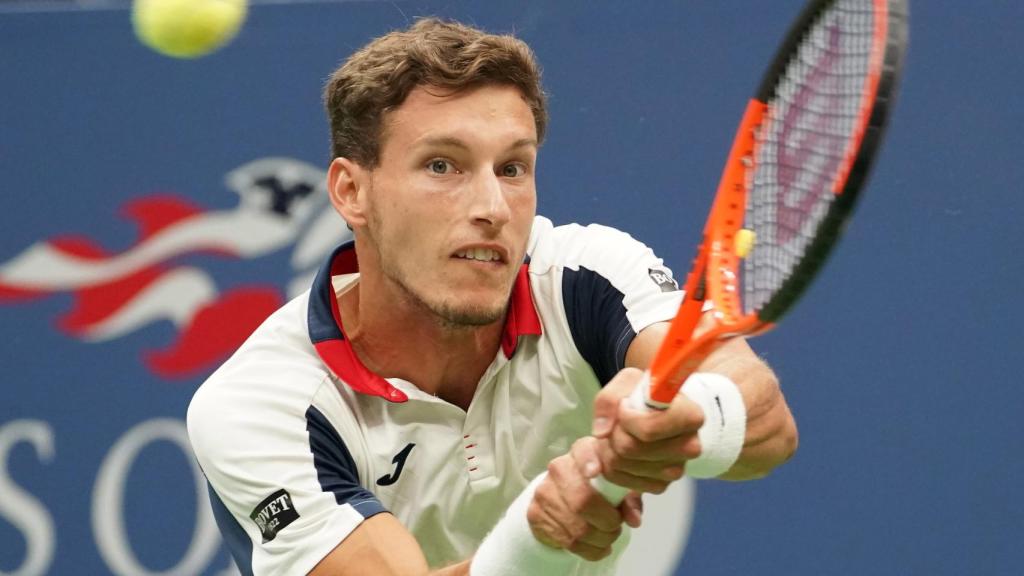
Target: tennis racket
x=801 y=155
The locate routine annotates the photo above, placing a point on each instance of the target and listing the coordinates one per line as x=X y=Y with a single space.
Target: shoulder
x=597 y=255
x=269 y=384
x=280 y=447
x=601 y=285
x=575 y=245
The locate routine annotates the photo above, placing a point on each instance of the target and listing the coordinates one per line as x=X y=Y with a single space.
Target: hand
x=566 y=511
x=644 y=450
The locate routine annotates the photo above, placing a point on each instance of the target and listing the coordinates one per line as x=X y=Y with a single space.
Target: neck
x=397 y=338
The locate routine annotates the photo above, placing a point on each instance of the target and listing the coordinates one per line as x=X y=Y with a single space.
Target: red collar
x=328 y=335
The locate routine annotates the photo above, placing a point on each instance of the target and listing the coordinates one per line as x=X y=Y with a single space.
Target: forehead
x=489 y=113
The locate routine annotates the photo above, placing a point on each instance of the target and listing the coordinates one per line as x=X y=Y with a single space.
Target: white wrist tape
x=511 y=549
x=725 y=423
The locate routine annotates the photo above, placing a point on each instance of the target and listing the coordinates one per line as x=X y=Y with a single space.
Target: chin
x=463 y=313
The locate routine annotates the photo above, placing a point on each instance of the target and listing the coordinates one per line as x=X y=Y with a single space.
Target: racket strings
x=803 y=144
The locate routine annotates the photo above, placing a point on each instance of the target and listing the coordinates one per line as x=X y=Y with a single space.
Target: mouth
x=481 y=254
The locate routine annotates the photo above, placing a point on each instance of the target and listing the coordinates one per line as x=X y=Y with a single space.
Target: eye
x=439 y=166
x=513 y=170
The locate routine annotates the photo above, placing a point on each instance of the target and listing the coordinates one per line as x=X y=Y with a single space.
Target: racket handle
x=640 y=399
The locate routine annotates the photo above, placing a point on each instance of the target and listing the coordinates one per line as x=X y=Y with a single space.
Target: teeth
x=482 y=254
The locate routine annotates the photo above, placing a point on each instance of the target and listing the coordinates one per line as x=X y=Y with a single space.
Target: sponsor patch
x=274 y=513
x=663 y=279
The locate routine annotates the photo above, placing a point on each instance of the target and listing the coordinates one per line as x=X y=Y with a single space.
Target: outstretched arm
x=647 y=451
x=381 y=545
x=559 y=512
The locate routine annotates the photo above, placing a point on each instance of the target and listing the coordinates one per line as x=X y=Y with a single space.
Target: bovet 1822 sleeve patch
x=274 y=513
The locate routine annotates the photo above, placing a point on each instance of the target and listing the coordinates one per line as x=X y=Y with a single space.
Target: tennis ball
x=744 y=242
x=187 y=28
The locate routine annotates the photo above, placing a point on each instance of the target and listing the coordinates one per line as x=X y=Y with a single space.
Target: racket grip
x=638 y=400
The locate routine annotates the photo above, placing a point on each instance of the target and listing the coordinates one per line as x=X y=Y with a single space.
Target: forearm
x=771 y=433
x=381 y=545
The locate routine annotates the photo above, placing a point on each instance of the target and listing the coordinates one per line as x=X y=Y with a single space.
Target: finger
x=588 y=552
x=600 y=538
x=580 y=494
x=632 y=509
x=653 y=471
x=615 y=465
x=606 y=404
x=683 y=416
x=643 y=484
x=669 y=450
x=584 y=453
x=545 y=527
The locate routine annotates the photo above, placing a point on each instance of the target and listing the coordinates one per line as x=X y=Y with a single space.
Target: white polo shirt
x=300 y=442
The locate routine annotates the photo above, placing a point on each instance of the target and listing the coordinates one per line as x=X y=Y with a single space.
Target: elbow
x=789 y=439
x=783 y=442
x=784 y=446
x=759 y=461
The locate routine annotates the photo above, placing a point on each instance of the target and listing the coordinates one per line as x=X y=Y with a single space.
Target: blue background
x=901 y=364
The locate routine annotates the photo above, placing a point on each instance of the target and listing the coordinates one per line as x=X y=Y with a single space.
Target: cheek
x=524 y=208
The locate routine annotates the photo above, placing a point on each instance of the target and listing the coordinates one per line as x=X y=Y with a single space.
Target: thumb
x=606 y=404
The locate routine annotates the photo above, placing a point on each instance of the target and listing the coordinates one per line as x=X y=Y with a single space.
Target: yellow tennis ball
x=744 y=242
x=187 y=28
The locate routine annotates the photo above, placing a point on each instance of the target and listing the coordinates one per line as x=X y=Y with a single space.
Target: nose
x=489 y=204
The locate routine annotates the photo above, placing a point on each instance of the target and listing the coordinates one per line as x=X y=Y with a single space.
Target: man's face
x=453 y=198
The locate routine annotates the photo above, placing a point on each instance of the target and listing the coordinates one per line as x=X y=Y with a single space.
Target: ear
x=347 y=185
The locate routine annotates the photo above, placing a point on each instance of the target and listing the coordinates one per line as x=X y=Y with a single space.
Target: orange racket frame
x=714 y=275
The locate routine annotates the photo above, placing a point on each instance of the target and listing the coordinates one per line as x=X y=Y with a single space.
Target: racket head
x=811 y=134
x=801 y=155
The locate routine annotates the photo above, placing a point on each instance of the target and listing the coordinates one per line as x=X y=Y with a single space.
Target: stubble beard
x=446 y=310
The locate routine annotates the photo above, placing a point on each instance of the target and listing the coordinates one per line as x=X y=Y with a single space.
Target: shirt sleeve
x=613 y=286
x=283 y=486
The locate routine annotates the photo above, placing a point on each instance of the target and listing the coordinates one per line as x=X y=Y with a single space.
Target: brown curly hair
x=445 y=55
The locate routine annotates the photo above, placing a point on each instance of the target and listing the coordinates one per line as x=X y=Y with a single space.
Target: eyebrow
x=454 y=142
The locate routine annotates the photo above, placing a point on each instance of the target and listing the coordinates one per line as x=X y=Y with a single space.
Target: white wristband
x=725 y=423
x=510 y=549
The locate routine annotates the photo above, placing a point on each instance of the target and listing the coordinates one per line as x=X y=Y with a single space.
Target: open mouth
x=479 y=255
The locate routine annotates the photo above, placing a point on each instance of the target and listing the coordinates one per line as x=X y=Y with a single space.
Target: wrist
x=725 y=423
x=510 y=548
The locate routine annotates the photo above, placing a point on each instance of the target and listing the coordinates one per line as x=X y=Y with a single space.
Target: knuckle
x=556 y=469
x=533 y=513
x=588 y=552
x=692 y=448
x=578 y=530
x=673 y=473
x=584 y=446
x=698 y=418
x=627 y=445
x=646 y=431
x=602 y=538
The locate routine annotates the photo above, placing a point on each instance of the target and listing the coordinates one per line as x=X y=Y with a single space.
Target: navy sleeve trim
x=335 y=468
x=597 y=319
x=237 y=541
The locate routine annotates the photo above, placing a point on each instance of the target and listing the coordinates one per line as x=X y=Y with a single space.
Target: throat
x=408 y=343
x=459 y=395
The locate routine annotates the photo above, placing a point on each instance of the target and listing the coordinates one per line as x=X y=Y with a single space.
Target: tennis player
x=442 y=397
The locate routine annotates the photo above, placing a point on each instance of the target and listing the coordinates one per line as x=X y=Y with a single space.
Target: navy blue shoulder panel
x=237 y=541
x=335 y=468
x=597 y=319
